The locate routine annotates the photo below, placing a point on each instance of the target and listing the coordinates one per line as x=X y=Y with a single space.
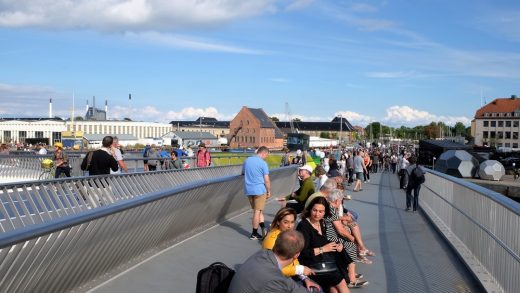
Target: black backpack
x=216 y=278
x=417 y=177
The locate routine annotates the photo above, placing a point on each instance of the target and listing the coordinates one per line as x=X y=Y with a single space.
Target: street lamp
x=340 y=129
x=434 y=158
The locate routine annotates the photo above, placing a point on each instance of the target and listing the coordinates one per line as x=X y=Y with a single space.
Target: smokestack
x=50 y=108
x=94 y=103
x=87 y=106
x=106 y=109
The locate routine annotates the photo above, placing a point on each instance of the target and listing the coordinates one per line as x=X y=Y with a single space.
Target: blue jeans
x=416 y=190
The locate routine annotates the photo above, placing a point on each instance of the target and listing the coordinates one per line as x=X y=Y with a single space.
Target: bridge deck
x=411 y=256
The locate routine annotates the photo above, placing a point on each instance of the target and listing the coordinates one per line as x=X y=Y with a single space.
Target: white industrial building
x=49 y=130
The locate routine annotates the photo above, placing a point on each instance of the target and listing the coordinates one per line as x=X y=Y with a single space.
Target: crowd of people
x=325 y=235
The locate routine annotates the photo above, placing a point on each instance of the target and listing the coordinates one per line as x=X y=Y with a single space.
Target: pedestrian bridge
x=152 y=232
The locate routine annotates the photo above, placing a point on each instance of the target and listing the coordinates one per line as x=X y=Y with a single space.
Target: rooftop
x=500 y=105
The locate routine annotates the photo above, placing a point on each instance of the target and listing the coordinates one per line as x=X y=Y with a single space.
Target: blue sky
x=397 y=62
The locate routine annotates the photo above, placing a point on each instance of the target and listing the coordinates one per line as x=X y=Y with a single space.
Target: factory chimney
x=87 y=106
x=50 y=108
x=106 y=109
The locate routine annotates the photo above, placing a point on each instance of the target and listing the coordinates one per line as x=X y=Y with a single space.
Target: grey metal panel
x=480 y=224
x=81 y=245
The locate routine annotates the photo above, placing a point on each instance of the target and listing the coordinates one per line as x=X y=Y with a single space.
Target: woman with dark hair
x=319 y=251
x=284 y=221
x=333 y=166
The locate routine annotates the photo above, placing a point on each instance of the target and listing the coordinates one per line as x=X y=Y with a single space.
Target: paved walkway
x=411 y=256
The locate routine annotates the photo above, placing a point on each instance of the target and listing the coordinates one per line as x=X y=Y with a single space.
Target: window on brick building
x=493 y=124
x=485 y=134
x=508 y=134
x=486 y=123
x=500 y=123
x=508 y=123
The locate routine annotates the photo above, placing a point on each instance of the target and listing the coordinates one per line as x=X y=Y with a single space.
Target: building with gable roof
x=252 y=128
x=497 y=124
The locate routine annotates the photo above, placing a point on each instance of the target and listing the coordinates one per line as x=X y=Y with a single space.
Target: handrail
x=68 y=253
x=27 y=167
x=34 y=202
x=477 y=221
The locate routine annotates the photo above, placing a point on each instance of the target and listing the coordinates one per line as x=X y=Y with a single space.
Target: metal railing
x=28 y=167
x=34 y=202
x=481 y=225
x=70 y=251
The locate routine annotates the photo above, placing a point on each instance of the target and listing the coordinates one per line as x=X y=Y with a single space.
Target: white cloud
x=501 y=23
x=30 y=100
x=279 y=79
x=151 y=113
x=392 y=74
x=405 y=115
x=283 y=117
x=133 y=15
x=298 y=4
x=363 y=8
x=184 y=42
x=355 y=118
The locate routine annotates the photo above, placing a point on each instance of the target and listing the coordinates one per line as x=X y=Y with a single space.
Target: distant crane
x=288 y=113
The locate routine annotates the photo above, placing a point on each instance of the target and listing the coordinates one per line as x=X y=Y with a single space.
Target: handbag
x=324 y=267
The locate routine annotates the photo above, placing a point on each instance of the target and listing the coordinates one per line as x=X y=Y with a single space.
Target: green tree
x=324 y=134
x=373 y=128
x=275 y=119
x=297 y=120
x=460 y=129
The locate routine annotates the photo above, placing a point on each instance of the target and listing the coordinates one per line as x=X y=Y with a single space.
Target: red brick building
x=252 y=128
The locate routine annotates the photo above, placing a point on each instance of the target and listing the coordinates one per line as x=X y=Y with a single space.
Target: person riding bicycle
x=62 y=161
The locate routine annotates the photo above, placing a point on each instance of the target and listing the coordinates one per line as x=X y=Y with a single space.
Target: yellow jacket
x=270 y=238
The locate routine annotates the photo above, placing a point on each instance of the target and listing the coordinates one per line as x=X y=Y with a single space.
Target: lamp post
x=340 y=129
x=434 y=158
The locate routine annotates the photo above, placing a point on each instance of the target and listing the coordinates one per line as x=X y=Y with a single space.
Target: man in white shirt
x=42 y=150
x=116 y=153
x=403 y=175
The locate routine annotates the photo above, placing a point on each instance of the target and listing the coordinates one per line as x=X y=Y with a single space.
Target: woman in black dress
x=318 y=249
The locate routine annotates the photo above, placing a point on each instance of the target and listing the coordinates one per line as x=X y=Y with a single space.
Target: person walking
x=403 y=175
x=257 y=188
x=415 y=179
x=61 y=161
x=146 y=154
x=101 y=161
x=203 y=156
x=359 y=169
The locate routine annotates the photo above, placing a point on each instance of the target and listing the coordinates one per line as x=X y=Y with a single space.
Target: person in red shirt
x=203 y=156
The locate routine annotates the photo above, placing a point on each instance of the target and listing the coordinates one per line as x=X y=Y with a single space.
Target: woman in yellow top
x=284 y=220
